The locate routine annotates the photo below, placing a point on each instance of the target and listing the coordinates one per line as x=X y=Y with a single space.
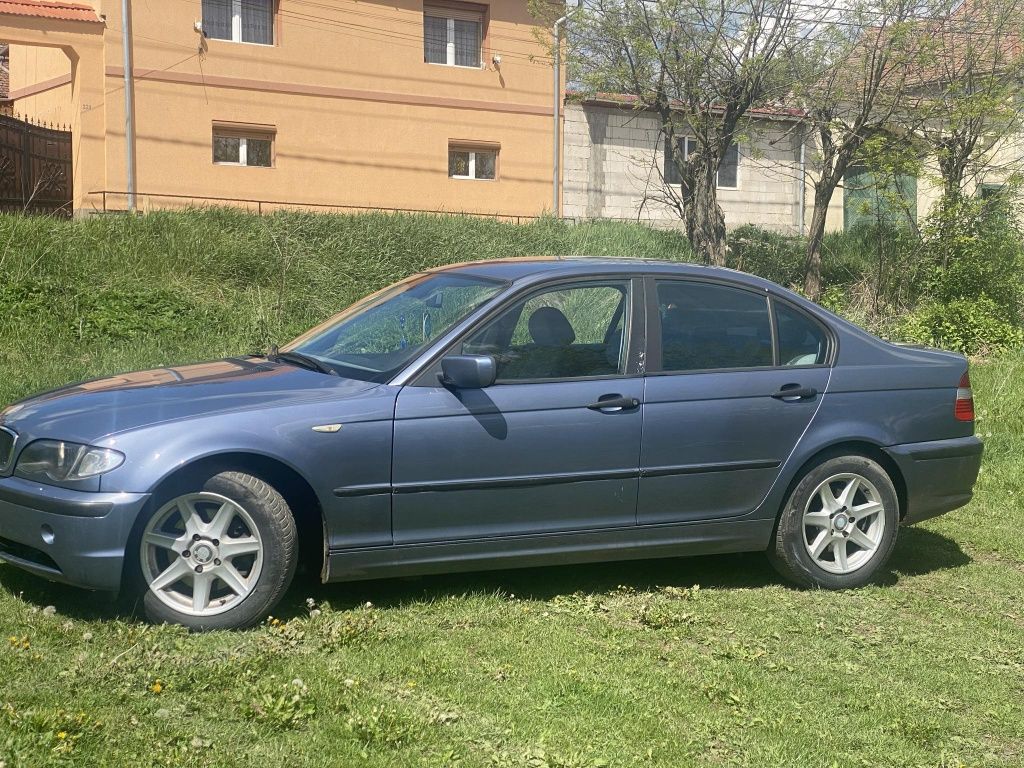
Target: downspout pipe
x=129 y=101
x=556 y=33
x=802 y=192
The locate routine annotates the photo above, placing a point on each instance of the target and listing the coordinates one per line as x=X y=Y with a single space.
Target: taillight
x=964 y=409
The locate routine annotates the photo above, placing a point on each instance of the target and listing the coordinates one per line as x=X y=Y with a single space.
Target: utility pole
x=129 y=100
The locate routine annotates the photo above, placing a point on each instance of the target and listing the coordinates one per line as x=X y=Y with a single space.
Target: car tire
x=838 y=526
x=220 y=557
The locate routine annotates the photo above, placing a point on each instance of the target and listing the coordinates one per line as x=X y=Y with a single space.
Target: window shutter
x=217 y=19
x=459 y=14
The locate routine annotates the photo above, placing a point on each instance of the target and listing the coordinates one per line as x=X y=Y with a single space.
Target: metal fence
x=116 y=201
x=35 y=167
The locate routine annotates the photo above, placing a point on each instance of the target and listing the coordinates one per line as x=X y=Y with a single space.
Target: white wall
x=612 y=158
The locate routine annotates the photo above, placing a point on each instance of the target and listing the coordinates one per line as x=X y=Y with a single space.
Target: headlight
x=56 y=461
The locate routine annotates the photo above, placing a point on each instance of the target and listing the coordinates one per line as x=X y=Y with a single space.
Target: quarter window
x=472 y=163
x=241 y=21
x=801 y=340
x=705 y=326
x=452 y=36
x=728 y=169
x=251 y=148
x=563 y=333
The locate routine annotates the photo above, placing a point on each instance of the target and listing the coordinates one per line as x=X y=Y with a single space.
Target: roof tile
x=46 y=9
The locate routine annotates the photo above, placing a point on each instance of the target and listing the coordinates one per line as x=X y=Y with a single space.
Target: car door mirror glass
x=468 y=371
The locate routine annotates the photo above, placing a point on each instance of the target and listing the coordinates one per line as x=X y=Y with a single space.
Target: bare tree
x=701 y=66
x=973 y=87
x=857 y=82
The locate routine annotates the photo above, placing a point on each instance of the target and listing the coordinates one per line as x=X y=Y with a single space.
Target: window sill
x=468 y=178
x=243 y=165
x=478 y=67
x=241 y=42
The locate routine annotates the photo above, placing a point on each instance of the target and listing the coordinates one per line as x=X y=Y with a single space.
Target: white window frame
x=686 y=154
x=236 y=25
x=436 y=13
x=472 y=162
x=243 y=149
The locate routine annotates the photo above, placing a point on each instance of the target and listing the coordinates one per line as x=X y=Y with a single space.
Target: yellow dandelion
x=156 y=687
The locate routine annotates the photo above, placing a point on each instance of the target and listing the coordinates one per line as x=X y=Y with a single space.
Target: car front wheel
x=220 y=557
x=838 y=526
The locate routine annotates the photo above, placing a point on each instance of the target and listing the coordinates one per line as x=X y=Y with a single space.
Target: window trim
x=424 y=373
x=831 y=341
x=442 y=9
x=473 y=147
x=245 y=132
x=686 y=139
x=236 y=27
x=654 y=349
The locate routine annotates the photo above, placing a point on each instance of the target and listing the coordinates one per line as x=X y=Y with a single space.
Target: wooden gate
x=35 y=168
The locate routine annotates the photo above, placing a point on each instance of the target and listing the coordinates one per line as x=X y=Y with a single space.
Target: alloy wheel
x=201 y=554
x=843 y=523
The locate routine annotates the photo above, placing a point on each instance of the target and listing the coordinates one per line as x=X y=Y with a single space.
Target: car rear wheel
x=220 y=557
x=838 y=526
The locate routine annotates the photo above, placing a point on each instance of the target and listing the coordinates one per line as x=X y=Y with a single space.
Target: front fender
x=358 y=453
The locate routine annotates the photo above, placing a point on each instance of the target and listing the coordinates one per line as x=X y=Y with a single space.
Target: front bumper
x=939 y=475
x=74 y=537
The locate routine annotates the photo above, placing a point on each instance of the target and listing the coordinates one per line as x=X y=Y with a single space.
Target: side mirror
x=468 y=371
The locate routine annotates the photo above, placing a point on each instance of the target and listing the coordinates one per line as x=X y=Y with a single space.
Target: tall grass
x=84 y=298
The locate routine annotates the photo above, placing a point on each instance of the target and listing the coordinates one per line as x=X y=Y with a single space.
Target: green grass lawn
x=702 y=661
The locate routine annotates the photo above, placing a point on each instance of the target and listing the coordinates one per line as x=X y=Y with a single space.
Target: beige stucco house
x=616 y=167
x=344 y=104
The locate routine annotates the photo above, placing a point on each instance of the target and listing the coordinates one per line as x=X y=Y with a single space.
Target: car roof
x=534 y=267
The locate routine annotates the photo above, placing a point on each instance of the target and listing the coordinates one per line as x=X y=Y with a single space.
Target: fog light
x=46 y=532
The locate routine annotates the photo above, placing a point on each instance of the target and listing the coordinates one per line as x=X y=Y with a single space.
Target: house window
x=235 y=147
x=453 y=35
x=241 y=21
x=728 y=169
x=472 y=162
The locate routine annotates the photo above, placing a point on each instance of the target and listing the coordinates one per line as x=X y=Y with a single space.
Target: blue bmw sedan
x=494 y=414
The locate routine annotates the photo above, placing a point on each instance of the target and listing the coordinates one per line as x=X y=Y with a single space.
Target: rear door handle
x=614 y=403
x=790 y=392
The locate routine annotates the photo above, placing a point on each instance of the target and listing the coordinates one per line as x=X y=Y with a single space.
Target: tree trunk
x=815 y=236
x=704 y=219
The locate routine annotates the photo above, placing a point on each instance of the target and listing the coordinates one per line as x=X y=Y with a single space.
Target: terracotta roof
x=632 y=101
x=46 y=9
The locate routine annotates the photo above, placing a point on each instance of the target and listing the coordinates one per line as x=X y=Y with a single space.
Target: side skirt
x=633 y=543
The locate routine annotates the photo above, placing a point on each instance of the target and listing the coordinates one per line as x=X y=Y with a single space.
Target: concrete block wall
x=614 y=163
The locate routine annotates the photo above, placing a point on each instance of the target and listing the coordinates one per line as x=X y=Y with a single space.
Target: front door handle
x=792 y=392
x=614 y=403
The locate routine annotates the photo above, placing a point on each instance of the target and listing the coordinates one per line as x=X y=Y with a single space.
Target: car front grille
x=7 y=440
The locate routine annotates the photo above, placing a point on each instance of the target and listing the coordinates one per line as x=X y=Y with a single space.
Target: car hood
x=91 y=410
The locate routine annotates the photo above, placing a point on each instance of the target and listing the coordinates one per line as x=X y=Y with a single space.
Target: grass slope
x=703 y=661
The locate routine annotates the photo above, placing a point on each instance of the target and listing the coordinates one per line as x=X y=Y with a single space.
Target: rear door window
x=706 y=326
x=801 y=340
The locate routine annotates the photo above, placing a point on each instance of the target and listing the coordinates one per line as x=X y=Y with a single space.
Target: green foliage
x=975 y=248
x=282 y=707
x=771 y=255
x=383 y=725
x=130 y=314
x=971 y=326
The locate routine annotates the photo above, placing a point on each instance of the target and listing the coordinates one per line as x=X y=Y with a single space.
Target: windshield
x=373 y=339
